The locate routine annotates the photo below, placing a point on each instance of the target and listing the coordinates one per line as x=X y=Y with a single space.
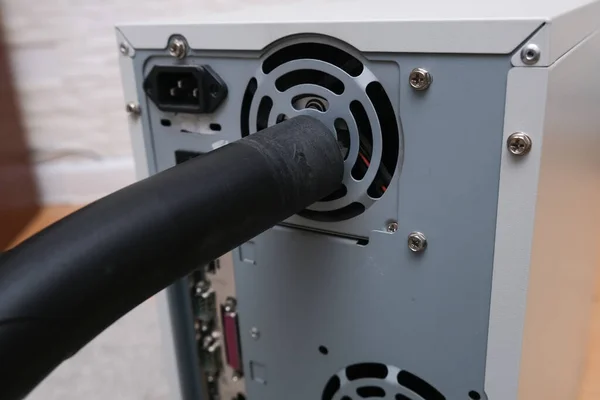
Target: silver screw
x=236 y=376
x=417 y=242
x=519 y=143
x=420 y=79
x=178 y=48
x=530 y=54
x=255 y=333
x=392 y=227
x=230 y=305
x=124 y=48
x=133 y=108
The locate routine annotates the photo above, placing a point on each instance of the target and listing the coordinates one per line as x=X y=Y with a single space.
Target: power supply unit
x=456 y=260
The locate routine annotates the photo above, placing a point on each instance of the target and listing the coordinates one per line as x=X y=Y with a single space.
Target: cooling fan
x=336 y=86
x=378 y=381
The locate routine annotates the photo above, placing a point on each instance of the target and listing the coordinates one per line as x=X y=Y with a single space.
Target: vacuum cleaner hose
x=65 y=285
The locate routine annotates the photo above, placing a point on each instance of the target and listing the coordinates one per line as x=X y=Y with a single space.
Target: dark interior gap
x=317 y=51
x=390 y=139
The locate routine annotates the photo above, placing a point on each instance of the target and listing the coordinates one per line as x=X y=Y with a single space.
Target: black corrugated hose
x=65 y=285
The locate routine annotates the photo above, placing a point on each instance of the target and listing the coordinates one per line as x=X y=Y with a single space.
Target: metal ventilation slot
x=376 y=380
x=343 y=136
x=328 y=83
x=390 y=137
x=309 y=76
x=367 y=392
x=264 y=109
x=341 y=214
x=316 y=51
x=338 y=194
x=365 y=135
x=366 y=371
x=246 y=104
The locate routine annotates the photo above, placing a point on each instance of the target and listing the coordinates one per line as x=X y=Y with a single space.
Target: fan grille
x=336 y=87
x=376 y=380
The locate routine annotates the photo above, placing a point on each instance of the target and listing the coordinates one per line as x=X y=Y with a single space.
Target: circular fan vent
x=338 y=88
x=378 y=381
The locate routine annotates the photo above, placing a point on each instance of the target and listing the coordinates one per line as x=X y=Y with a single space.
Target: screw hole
x=213 y=88
x=215 y=127
x=474 y=395
x=165 y=122
x=323 y=350
x=530 y=54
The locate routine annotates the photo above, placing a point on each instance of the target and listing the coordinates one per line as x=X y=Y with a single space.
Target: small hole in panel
x=281 y=118
x=365 y=136
x=323 y=350
x=165 y=122
x=367 y=392
x=215 y=127
x=474 y=395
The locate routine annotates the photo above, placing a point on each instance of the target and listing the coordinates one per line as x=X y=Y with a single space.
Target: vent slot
x=338 y=194
x=357 y=109
x=365 y=135
x=390 y=137
x=309 y=76
x=341 y=214
x=333 y=385
x=366 y=371
x=367 y=392
x=316 y=51
x=246 y=104
x=264 y=109
x=374 y=380
x=310 y=101
x=343 y=136
x=419 y=386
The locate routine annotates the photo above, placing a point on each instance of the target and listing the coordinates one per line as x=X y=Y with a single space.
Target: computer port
x=204 y=301
x=203 y=329
x=213 y=266
x=188 y=89
x=210 y=356
x=212 y=387
x=231 y=335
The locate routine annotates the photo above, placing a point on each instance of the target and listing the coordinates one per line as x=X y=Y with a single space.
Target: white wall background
x=64 y=57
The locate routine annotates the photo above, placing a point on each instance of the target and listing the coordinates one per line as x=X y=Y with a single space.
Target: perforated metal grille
x=379 y=381
x=338 y=88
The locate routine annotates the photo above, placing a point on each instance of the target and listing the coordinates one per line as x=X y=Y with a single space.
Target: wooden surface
x=590 y=386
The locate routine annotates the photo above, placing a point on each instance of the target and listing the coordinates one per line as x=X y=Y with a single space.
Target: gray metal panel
x=564 y=250
x=425 y=313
